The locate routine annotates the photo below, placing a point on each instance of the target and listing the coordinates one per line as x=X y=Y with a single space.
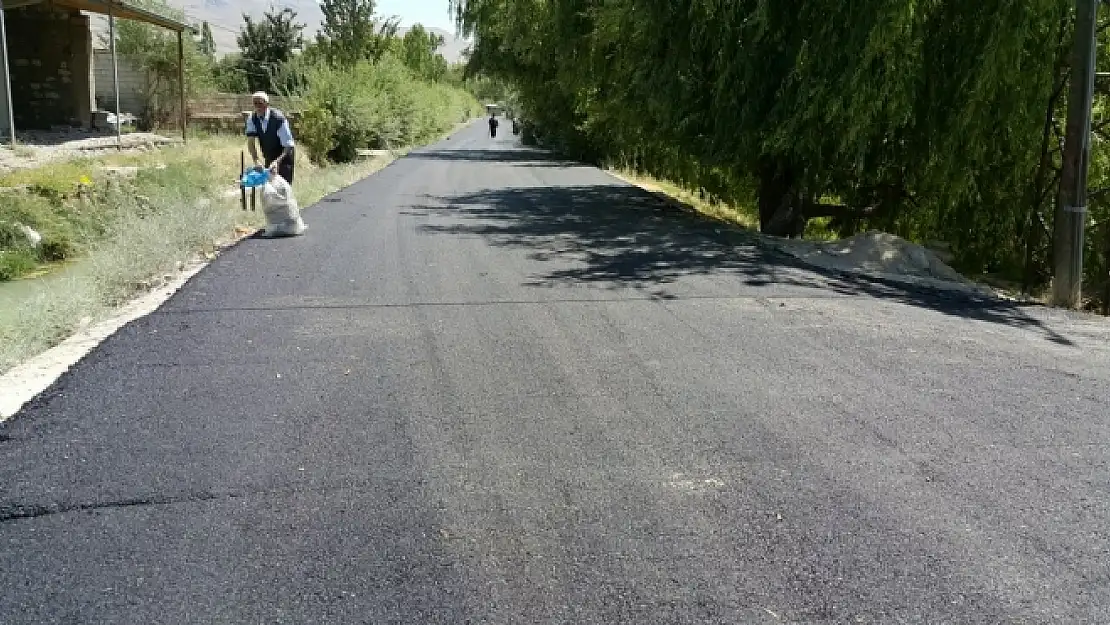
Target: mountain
x=226 y=16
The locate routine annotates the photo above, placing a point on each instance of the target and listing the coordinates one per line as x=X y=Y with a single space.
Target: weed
x=16 y=262
x=744 y=214
x=56 y=250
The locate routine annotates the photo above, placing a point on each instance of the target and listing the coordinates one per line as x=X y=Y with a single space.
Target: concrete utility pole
x=1071 y=204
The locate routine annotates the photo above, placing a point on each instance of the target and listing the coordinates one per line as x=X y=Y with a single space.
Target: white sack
x=283 y=215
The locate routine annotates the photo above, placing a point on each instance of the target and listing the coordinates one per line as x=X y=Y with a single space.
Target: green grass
x=15 y=263
x=124 y=236
x=817 y=229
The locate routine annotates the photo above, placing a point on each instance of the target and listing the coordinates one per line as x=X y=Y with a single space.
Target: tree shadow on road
x=620 y=236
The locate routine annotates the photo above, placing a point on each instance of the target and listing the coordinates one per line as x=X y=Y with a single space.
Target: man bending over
x=270 y=127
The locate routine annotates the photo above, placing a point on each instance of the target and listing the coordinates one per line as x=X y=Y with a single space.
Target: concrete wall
x=132 y=84
x=50 y=52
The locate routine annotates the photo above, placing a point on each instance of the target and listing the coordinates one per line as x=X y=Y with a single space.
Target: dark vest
x=268 y=140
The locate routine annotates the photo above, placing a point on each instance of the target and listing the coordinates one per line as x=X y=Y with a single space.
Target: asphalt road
x=491 y=387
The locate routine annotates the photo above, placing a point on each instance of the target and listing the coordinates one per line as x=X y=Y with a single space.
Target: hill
x=226 y=16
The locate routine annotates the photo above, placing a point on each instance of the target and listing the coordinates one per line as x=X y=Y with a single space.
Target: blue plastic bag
x=256 y=178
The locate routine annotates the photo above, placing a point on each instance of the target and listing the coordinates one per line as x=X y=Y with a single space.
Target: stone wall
x=226 y=113
x=233 y=104
x=50 y=53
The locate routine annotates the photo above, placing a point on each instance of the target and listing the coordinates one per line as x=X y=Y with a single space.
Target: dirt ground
x=37 y=148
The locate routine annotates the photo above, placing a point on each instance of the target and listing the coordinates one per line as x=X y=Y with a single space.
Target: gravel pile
x=881 y=254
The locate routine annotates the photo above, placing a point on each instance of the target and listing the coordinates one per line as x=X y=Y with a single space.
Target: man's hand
x=274 y=166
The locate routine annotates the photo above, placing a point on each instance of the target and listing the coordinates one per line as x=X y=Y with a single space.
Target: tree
x=228 y=74
x=207 y=44
x=267 y=48
x=921 y=118
x=350 y=31
x=154 y=50
x=419 y=50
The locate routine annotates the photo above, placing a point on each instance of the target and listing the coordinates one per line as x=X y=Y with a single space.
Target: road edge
x=970 y=288
x=31 y=378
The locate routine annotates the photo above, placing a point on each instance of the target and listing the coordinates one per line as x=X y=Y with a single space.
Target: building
x=46 y=66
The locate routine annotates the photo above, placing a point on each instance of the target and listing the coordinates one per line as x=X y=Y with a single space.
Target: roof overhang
x=117 y=8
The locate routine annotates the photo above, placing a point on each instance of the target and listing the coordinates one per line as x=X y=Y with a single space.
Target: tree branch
x=1098 y=194
x=813 y=210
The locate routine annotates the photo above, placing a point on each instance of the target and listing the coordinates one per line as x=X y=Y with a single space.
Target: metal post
x=115 y=74
x=242 y=172
x=1071 y=204
x=181 y=84
x=7 y=73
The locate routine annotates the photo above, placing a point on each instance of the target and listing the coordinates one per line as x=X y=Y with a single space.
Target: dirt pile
x=876 y=253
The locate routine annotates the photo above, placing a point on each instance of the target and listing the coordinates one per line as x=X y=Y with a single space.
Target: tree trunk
x=780 y=211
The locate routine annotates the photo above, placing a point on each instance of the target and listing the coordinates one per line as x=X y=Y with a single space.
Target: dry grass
x=738 y=215
x=135 y=234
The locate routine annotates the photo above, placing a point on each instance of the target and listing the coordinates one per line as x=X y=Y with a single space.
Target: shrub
x=10 y=235
x=56 y=249
x=377 y=105
x=15 y=263
x=317 y=132
x=56 y=221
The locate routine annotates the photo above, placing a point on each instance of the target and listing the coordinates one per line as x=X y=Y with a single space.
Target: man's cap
x=261 y=95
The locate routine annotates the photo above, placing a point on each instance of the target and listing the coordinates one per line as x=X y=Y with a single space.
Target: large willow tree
x=924 y=117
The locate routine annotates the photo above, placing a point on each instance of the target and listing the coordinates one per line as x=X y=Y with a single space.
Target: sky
x=431 y=13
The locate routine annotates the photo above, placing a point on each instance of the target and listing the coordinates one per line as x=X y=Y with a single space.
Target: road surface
x=492 y=387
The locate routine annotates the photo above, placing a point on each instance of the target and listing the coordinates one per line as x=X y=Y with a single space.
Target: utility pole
x=1071 y=203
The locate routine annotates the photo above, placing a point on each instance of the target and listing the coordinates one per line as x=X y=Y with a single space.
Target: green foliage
x=228 y=74
x=155 y=50
x=267 y=47
x=377 y=106
x=16 y=263
x=319 y=132
x=351 y=33
x=419 y=50
x=52 y=216
x=923 y=118
x=206 y=45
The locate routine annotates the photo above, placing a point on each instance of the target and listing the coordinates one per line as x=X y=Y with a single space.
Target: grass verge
x=743 y=216
x=125 y=232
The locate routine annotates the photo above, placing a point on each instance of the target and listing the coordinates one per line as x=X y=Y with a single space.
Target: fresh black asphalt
x=488 y=386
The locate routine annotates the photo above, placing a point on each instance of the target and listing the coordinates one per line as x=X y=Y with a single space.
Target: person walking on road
x=271 y=129
x=493 y=126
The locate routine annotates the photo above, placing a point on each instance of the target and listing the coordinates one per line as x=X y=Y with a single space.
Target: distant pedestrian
x=271 y=129
x=493 y=126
